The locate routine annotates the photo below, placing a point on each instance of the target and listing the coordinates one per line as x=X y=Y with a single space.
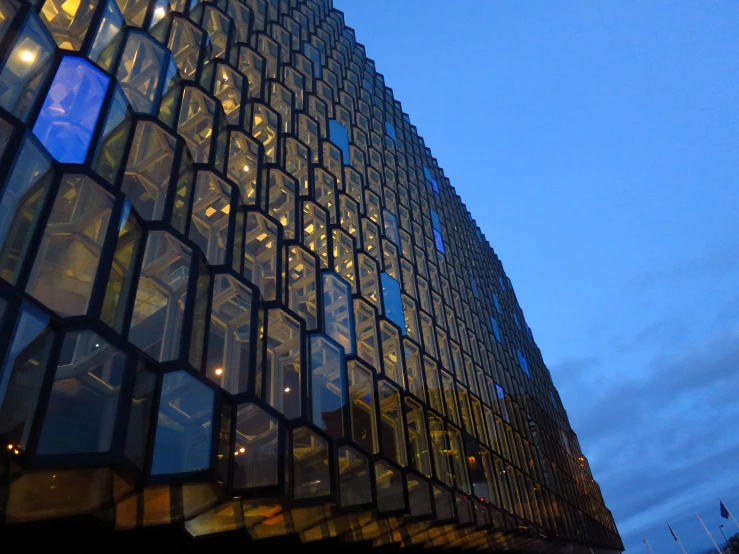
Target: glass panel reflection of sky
x=393 y=302
x=71 y=109
x=340 y=137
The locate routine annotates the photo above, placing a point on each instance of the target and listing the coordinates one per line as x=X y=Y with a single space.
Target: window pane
x=71 y=109
x=256 y=452
x=392 y=301
x=83 y=405
x=185 y=425
x=337 y=311
x=328 y=385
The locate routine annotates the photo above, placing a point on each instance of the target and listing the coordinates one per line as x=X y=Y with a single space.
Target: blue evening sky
x=596 y=143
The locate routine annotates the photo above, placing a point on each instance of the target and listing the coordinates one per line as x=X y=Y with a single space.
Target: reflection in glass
x=184 y=427
x=392 y=301
x=391 y=423
x=22 y=373
x=283 y=373
x=328 y=385
x=337 y=311
x=417 y=442
x=66 y=264
x=161 y=295
x=362 y=402
x=255 y=457
x=354 y=478
x=81 y=412
x=230 y=334
x=71 y=109
x=310 y=464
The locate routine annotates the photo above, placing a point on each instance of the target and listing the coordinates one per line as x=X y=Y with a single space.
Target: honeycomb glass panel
x=211 y=209
x=140 y=418
x=184 y=426
x=338 y=312
x=458 y=460
x=66 y=264
x=297 y=163
x=315 y=232
x=243 y=164
x=110 y=26
x=26 y=67
x=70 y=111
x=328 y=385
x=362 y=402
x=366 y=334
x=414 y=369
x=264 y=128
x=311 y=471
x=282 y=201
x=302 y=284
x=391 y=423
x=148 y=170
x=389 y=485
x=256 y=453
x=82 y=409
x=418 y=449
x=283 y=370
x=368 y=280
x=22 y=375
x=439 y=450
x=419 y=496
x=433 y=386
x=392 y=301
x=161 y=297
x=354 y=478
x=196 y=123
x=229 y=343
x=68 y=22
x=391 y=354
x=21 y=201
x=141 y=71
x=261 y=254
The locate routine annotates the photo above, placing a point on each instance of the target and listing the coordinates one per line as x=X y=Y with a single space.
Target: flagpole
x=730 y=514
x=647 y=543
x=676 y=538
x=708 y=532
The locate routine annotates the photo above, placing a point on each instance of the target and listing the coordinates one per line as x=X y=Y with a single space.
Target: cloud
x=657 y=439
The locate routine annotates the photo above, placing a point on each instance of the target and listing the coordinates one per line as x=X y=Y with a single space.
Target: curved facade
x=238 y=294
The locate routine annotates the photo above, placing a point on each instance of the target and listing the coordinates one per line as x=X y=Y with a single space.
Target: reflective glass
x=328 y=385
x=71 y=109
x=255 y=457
x=184 y=427
x=392 y=301
x=338 y=314
x=340 y=137
x=82 y=409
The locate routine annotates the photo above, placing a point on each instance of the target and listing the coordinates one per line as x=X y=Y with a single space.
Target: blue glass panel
x=502 y=283
x=496 y=329
x=515 y=320
x=528 y=330
x=71 y=109
x=435 y=186
x=523 y=363
x=499 y=391
x=439 y=241
x=435 y=220
x=185 y=425
x=328 y=385
x=475 y=290
x=479 y=234
x=338 y=134
x=390 y=131
x=393 y=303
x=426 y=173
x=551 y=397
x=496 y=301
x=110 y=25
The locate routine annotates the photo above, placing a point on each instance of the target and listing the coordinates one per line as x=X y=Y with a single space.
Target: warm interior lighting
x=219 y=371
x=287 y=389
x=159 y=12
x=10 y=447
x=246 y=168
x=27 y=56
x=242 y=449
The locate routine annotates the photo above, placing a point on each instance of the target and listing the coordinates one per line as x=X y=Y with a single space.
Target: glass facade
x=237 y=292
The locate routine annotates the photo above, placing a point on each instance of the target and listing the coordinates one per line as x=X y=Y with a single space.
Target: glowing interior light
x=219 y=371
x=242 y=449
x=287 y=389
x=27 y=56
x=246 y=168
x=159 y=12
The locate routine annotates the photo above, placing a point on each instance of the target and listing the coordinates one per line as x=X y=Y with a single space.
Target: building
x=240 y=298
